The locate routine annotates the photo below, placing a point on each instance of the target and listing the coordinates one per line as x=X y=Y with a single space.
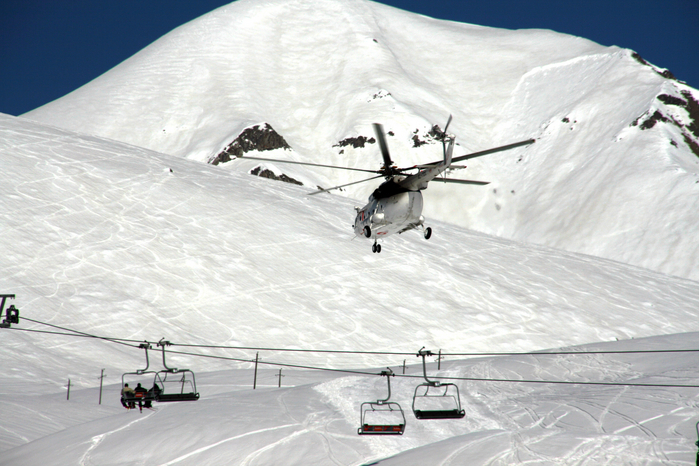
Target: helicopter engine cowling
x=378 y=219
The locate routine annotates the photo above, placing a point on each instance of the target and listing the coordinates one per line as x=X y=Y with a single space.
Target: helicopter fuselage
x=390 y=210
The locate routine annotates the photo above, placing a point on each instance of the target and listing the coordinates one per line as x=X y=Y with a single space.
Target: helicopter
x=396 y=205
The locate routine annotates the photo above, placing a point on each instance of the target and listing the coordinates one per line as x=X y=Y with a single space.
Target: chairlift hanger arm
x=163 y=343
x=388 y=374
x=423 y=353
x=146 y=346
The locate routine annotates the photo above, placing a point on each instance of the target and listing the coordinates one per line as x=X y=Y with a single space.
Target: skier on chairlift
x=127 y=392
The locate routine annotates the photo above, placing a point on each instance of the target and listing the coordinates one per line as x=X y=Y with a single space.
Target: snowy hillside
x=119 y=241
x=617 y=156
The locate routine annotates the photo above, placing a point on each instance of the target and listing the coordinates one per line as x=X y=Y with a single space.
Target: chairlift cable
x=468 y=379
x=269 y=363
x=252 y=348
x=113 y=340
x=412 y=353
x=76 y=333
x=386 y=353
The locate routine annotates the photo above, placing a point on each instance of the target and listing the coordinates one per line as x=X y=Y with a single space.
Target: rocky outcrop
x=256 y=138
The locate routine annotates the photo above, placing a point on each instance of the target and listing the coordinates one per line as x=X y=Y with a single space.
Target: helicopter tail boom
x=419 y=180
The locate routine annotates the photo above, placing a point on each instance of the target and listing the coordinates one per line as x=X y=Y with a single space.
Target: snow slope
x=598 y=181
x=119 y=241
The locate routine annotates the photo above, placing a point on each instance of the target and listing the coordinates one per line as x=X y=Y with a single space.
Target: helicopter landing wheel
x=428 y=232
x=376 y=248
x=367 y=231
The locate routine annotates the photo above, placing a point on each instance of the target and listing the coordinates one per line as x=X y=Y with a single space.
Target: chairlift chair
x=170 y=384
x=436 y=400
x=140 y=374
x=175 y=384
x=382 y=410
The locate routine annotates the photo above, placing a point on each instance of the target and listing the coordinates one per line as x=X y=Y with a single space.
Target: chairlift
x=129 y=399
x=434 y=399
x=382 y=417
x=175 y=384
x=167 y=385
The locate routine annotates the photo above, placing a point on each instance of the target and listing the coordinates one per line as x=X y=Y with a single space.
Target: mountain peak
x=320 y=72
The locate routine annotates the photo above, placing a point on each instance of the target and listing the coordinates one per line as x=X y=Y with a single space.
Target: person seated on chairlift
x=142 y=391
x=127 y=392
x=152 y=393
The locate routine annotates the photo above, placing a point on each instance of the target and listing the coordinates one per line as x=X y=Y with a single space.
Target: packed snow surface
x=597 y=181
x=122 y=242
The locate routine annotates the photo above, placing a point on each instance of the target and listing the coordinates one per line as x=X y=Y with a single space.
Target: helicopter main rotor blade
x=343 y=185
x=481 y=153
x=308 y=164
x=491 y=151
x=454 y=180
x=447 y=126
x=378 y=129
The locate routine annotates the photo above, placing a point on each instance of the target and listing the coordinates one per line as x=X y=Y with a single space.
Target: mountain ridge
x=322 y=72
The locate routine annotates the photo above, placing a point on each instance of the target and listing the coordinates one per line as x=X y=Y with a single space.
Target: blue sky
x=51 y=47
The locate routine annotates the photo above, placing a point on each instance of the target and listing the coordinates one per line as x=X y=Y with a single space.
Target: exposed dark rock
x=255 y=138
x=671 y=100
x=357 y=142
x=654 y=118
x=381 y=94
x=417 y=142
x=692 y=144
x=693 y=110
x=665 y=74
x=689 y=131
x=435 y=134
x=639 y=59
x=258 y=171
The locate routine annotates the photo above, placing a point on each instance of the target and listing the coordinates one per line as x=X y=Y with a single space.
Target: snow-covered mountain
x=616 y=161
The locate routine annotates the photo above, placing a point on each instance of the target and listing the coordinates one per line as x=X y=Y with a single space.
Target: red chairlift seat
x=169 y=385
x=382 y=410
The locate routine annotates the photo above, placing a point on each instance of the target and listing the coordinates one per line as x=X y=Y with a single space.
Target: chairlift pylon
x=11 y=314
x=439 y=400
x=382 y=411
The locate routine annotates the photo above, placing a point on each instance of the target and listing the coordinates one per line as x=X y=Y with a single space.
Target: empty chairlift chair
x=382 y=417
x=436 y=400
x=174 y=384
